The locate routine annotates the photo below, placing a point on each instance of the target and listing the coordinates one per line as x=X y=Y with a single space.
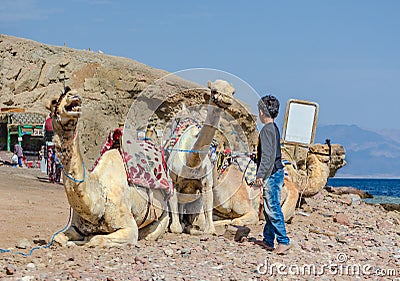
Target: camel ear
x=209 y=84
x=50 y=104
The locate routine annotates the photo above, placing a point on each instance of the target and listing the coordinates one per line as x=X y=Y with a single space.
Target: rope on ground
x=45 y=246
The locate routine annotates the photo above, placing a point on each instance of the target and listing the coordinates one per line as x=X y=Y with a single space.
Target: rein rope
x=62 y=166
x=71 y=177
x=244 y=172
x=187 y=150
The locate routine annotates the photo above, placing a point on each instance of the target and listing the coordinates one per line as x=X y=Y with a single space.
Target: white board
x=300 y=122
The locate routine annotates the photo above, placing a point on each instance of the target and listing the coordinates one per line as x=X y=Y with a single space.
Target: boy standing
x=270 y=176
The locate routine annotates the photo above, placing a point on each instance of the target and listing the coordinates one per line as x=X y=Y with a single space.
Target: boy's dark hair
x=269 y=103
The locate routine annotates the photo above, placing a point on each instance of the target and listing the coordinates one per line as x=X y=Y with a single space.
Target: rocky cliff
x=32 y=73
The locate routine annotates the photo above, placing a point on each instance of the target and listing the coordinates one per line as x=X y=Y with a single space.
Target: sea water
x=383 y=190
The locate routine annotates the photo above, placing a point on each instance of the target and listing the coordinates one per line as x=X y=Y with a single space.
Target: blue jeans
x=274 y=220
x=20 y=161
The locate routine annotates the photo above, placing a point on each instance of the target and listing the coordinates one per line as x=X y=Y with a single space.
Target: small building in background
x=25 y=128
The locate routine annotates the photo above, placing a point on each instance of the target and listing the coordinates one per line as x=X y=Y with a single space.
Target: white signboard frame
x=300 y=122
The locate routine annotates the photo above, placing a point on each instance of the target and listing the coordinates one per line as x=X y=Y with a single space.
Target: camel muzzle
x=73 y=108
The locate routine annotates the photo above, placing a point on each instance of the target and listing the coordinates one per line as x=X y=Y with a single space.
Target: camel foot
x=96 y=241
x=105 y=242
x=73 y=234
x=210 y=231
x=222 y=222
x=61 y=239
x=193 y=230
x=176 y=228
x=155 y=230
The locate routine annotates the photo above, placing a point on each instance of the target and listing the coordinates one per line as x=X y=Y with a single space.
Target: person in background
x=14 y=160
x=19 y=152
x=48 y=129
x=270 y=176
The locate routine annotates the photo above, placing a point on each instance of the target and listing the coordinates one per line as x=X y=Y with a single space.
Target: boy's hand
x=259 y=181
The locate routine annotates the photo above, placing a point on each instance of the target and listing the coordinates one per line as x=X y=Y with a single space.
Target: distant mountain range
x=368 y=154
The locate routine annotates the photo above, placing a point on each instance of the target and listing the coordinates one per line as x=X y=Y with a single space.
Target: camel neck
x=71 y=159
x=77 y=182
x=206 y=135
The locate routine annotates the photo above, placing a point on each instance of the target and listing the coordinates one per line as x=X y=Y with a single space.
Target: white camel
x=189 y=166
x=106 y=210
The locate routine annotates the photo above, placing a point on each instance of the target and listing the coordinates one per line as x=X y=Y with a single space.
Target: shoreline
x=383 y=190
x=378 y=199
x=365 y=196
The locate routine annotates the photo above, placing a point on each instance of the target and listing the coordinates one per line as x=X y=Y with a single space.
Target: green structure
x=26 y=128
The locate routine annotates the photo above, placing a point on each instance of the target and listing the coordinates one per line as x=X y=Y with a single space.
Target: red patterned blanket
x=144 y=162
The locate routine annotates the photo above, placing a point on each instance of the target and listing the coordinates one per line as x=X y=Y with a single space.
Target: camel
x=314 y=165
x=191 y=169
x=106 y=210
x=237 y=203
x=233 y=199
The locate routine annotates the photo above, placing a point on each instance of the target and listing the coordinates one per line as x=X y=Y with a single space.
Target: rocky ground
x=334 y=237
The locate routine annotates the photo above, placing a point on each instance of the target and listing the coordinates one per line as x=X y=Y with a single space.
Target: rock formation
x=32 y=73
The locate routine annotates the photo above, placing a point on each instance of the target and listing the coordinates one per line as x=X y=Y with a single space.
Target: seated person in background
x=19 y=152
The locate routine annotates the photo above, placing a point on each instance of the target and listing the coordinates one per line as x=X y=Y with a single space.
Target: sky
x=342 y=54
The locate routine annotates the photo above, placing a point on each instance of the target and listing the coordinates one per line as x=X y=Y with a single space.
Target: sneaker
x=282 y=249
x=264 y=245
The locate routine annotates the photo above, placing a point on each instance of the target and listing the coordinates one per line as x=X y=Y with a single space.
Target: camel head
x=221 y=93
x=65 y=112
x=333 y=157
x=189 y=190
x=338 y=154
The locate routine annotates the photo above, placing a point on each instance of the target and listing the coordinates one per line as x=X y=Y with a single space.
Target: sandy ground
x=31 y=207
x=334 y=238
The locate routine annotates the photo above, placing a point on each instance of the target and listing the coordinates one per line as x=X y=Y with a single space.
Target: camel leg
x=156 y=229
x=123 y=236
x=200 y=220
x=222 y=222
x=175 y=226
x=249 y=218
x=73 y=233
x=181 y=213
x=208 y=211
x=192 y=228
x=289 y=205
x=194 y=220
